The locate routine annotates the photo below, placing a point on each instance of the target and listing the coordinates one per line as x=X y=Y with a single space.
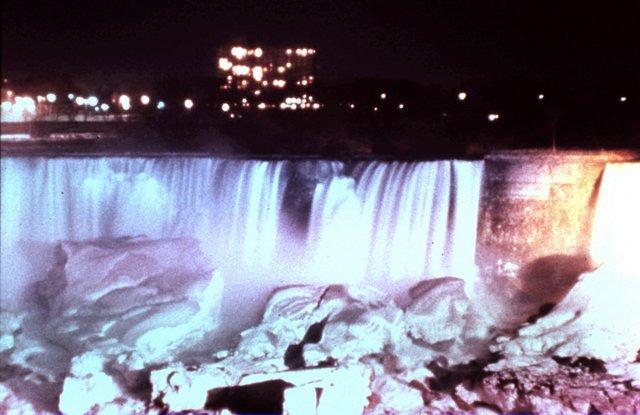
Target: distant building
x=262 y=78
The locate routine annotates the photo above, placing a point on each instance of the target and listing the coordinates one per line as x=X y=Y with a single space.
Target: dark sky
x=430 y=42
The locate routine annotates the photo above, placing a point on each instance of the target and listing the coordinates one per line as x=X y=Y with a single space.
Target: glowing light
x=281 y=69
x=316 y=105
x=24 y=104
x=262 y=105
x=125 y=102
x=540 y=97
x=257 y=73
x=40 y=98
x=96 y=109
x=226 y=107
x=188 y=103
x=265 y=83
x=375 y=108
x=145 y=99
x=160 y=105
x=256 y=92
x=104 y=107
x=288 y=65
x=241 y=70
x=239 y=52
x=401 y=106
x=383 y=96
x=283 y=105
x=71 y=97
x=352 y=106
x=80 y=101
x=233 y=115
x=492 y=117
x=289 y=51
x=304 y=82
x=92 y=101
x=224 y=64
x=623 y=99
x=6 y=106
x=257 y=52
x=9 y=93
x=462 y=96
x=51 y=97
x=279 y=83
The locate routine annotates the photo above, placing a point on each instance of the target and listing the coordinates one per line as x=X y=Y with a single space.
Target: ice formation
x=132 y=324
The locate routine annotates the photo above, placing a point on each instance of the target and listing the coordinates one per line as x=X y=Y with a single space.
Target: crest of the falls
x=394 y=221
x=232 y=206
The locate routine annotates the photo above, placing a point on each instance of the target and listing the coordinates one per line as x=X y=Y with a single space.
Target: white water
x=394 y=222
x=232 y=206
x=382 y=223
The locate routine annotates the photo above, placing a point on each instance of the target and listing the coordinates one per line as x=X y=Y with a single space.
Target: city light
x=383 y=96
x=462 y=96
x=262 y=105
x=104 y=106
x=540 y=97
x=240 y=70
x=224 y=64
x=257 y=73
x=239 y=52
x=71 y=97
x=6 y=106
x=145 y=99
x=92 y=101
x=257 y=53
x=80 y=101
x=401 y=106
x=51 y=97
x=352 y=106
x=160 y=105
x=125 y=102
x=188 y=103
x=493 y=117
x=623 y=99
x=375 y=108
x=226 y=107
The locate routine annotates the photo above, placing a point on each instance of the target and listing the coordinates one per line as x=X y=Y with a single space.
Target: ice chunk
x=158 y=297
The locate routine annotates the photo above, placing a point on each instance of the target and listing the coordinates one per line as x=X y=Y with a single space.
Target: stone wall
x=539 y=203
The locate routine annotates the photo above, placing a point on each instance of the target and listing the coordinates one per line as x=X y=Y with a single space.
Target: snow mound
x=599 y=318
x=157 y=297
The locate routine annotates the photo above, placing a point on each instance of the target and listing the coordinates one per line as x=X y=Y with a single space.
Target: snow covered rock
x=89 y=390
x=599 y=318
x=158 y=297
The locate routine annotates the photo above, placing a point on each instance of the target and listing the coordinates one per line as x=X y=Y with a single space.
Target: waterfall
x=617 y=217
x=397 y=221
x=232 y=206
x=370 y=221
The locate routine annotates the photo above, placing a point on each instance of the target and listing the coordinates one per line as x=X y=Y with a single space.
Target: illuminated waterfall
x=617 y=217
x=368 y=221
x=232 y=206
x=397 y=221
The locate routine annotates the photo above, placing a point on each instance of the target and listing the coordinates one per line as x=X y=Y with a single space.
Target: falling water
x=397 y=221
x=369 y=221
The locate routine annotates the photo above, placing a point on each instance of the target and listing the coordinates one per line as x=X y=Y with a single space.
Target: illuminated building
x=265 y=78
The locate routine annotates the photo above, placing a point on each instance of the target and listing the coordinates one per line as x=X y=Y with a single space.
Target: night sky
x=431 y=42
